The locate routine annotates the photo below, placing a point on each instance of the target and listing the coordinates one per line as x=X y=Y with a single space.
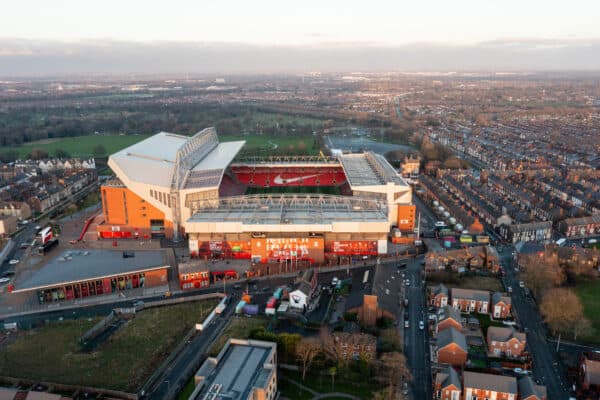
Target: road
x=177 y=374
x=416 y=341
x=26 y=235
x=547 y=367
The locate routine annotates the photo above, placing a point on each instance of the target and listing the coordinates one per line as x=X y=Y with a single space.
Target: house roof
x=380 y=282
x=500 y=297
x=439 y=289
x=451 y=312
x=449 y=336
x=448 y=377
x=496 y=383
x=470 y=294
x=527 y=388
x=504 y=334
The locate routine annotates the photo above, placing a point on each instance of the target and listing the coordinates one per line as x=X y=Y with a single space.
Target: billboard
x=288 y=248
x=406 y=217
x=352 y=247
x=225 y=248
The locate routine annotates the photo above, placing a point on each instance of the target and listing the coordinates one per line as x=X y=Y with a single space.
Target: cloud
x=20 y=57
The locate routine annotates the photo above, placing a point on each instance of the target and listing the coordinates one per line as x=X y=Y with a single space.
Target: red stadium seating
x=272 y=176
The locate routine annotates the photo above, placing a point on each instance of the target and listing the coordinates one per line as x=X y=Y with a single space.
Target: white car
x=522 y=284
x=4 y=280
x=421 y=325
x=13 y=262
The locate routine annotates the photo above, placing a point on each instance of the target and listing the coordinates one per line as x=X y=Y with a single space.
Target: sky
x=62 y=37
x=301 y=22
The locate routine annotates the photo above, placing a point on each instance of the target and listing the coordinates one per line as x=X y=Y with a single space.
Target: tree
x=99 y=150
x=561 y=309
x=391 y=370
x=306 y=351
x=60 y=153
x=541 y=272
x=38 y=154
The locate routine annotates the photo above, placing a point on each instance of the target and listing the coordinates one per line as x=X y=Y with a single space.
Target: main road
x=547 y=367
x=416 y=340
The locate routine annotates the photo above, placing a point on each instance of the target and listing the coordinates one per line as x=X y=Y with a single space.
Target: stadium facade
x=176 y=186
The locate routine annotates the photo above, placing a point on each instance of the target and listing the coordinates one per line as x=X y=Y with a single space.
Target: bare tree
x=542 y=273
x=306 y=351
x=561 y=309
x=391 y=370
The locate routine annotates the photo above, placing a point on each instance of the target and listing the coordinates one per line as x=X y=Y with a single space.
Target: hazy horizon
x=33 y=58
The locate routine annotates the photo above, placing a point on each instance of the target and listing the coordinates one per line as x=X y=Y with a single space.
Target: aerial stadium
x=195 y=189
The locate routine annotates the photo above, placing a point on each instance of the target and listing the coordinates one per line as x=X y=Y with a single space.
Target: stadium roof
x=79 y=266
x=369 y=169
x=167 y=159
x=290 y=209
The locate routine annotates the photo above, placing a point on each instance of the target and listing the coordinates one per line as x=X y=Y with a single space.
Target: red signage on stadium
x=352 y=247
x=288 y=248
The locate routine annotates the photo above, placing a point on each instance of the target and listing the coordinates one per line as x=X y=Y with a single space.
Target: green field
x=80 y=146
x=265 y=145
x=588 y=295
x=52 y=353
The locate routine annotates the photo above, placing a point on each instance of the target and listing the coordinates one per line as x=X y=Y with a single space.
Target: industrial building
x=175 y=186
x=243 y=369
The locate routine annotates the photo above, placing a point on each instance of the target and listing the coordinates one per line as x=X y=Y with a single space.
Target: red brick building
x=505 y=342
x=468 y=300
x=451 y=347
x=478 y=386
x=438 y=296
x=501 y=306
x=449 y=318
x=447 y=385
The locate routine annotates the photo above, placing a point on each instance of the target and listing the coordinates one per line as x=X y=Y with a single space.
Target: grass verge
x=587 y=291
x=51 y=353
x=238 y=328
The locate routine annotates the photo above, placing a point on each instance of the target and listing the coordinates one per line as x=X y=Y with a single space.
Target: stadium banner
x=352 y=247
x=309 y=248
x=227 y=249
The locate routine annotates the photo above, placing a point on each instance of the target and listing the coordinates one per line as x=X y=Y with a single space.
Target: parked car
x=421 y=325
x=521 y=284
x=13 y=262
x=406 y=324
x=4 y=279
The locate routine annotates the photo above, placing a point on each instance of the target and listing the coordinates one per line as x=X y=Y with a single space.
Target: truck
x=240 y=307
x=46 y=247
x=222 y=305
x=251 y=309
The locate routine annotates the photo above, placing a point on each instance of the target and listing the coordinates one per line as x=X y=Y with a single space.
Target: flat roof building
x=78 y=274
x=243 y=369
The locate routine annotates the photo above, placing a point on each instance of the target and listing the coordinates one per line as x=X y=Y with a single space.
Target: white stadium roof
x=369 y=169
x=168 y=160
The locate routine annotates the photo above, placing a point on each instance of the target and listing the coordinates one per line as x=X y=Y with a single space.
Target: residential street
x=546 y=365
x=416 y=341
